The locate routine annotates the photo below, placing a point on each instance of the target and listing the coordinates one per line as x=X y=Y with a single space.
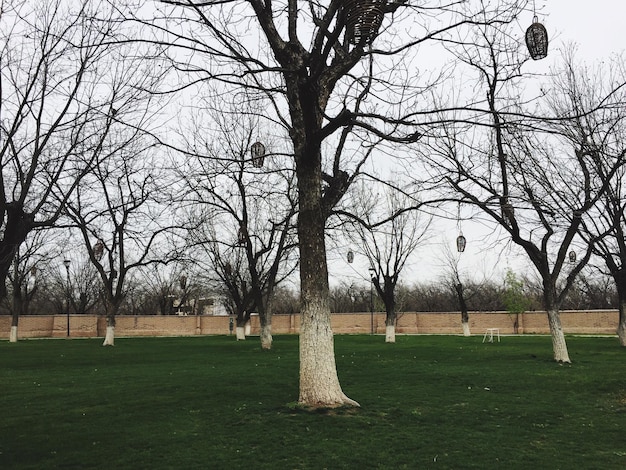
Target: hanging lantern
x=537 y=40
x=350 y=256
x=98 y=250
x=258 y=154
x=363 y=19
x=572 y=256
x=460 y=243
x=241 y=235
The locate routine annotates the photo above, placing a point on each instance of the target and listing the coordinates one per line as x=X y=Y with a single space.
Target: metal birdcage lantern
x=98 y=250
x=350 y=256
x=258 y=154
x=572 y=256
x=363 y=19
x=241 y=236
x=537 y=40
x=461 y=242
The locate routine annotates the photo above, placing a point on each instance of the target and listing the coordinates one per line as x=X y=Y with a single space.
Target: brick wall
x=51 y=326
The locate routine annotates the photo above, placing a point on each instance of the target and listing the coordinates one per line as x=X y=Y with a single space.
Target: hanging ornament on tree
x=537 y=38
x=258 y=154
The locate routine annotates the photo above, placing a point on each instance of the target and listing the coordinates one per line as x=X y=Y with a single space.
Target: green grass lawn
x=210 y=402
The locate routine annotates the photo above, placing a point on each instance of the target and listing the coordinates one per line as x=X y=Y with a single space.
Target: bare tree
x=55 y=112
x=157 y=290
x=387 y=246
x=30 y=258
x=326 y=84
x=452 y=278
x=126 y=218
x=250 y=189
x=598 y=132
x=511 y=162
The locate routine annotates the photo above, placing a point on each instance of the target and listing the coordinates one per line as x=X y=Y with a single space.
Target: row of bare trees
x=182 y=292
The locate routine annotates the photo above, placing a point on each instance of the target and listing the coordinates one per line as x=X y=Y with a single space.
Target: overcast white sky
x=598 y=26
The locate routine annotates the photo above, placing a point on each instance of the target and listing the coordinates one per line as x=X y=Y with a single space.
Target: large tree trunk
x=319 y=383
x=266 y=334
x=109 y=338
x=559 y=346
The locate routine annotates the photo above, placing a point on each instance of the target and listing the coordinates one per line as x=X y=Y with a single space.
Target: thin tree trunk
x=559 y=345
x=463 y=305
x=13 y=334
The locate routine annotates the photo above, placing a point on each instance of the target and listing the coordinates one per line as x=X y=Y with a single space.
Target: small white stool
x=489 y=334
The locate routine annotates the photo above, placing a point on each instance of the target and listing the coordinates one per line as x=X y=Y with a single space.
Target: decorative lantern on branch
x=258 y=154
x=537 y=40
x=242 y=235
x=572 y=256
x=460 y=243
x=363 y=19
x=98 y=250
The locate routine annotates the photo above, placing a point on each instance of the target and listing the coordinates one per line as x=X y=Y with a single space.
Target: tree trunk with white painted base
x=390 y=334
x=109 y=338
x=386 y=292
x=559 y=345
x=319 y=383
x=266 y=336
x=240 y=332
x=466 y=328
x=13 y=335
x=15 y=318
